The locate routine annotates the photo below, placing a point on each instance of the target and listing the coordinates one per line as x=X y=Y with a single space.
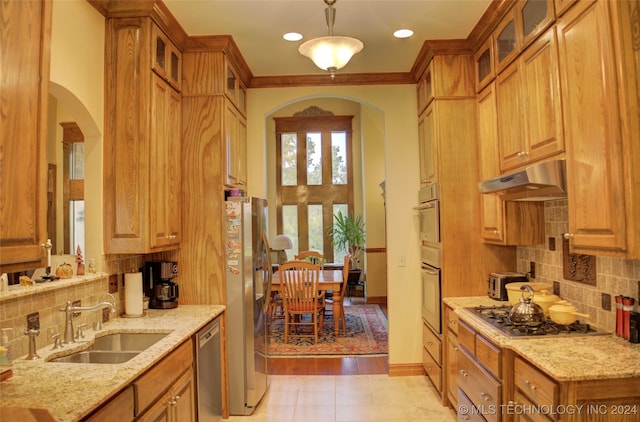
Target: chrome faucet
x=97 y=325
x=69 y=309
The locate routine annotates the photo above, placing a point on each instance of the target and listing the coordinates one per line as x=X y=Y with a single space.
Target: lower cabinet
x=479 y=365
x=166 y=392
x=177 y=405
x=432 y=356
x=450 y=365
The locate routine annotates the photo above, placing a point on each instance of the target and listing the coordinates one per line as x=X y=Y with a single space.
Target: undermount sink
x=113 y=348
x=127 y=341
x=97 y=356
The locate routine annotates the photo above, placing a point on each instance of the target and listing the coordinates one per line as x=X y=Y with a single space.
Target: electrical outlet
x=556 y=288
x=113 y=283
x=105 y=314
x=606 y=301
x=552 y=243
x=76 y=303
x=532 y=269
x=402 y=261
x=33 y=321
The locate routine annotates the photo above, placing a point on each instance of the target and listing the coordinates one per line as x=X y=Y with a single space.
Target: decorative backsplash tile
x=613 y=276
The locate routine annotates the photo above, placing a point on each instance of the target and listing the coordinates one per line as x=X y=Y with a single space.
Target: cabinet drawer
x=483 y=390
x=463 y=400
x=534 y=384
x=120 y=408
x=525 y=404
x=159 y=378
x=489 y=355
x=466 y=337
x=452 y=320
x=432 y=343
x=433 y=370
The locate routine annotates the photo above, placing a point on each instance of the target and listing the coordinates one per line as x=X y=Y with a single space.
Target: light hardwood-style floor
x=351 y=389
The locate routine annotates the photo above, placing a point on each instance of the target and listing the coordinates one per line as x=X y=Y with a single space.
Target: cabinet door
x=541 y=98
x=451 y=367
x=485 y=70
x=23 y=120
x=183 y=395
x=166 y=59
x=232 y=146
x=510 y=118
x=591 y=117
x=165 y=165
x=426 y=136
x=508 y=40
x=491 y=210
x=536 y=16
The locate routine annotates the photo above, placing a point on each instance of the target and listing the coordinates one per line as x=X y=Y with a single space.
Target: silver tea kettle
x=526 y=312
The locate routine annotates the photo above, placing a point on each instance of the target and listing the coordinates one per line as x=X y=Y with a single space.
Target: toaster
x=498 y=284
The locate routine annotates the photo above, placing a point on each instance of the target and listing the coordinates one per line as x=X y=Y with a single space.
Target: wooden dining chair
x=343 y=292
x=299 y=287
x=311 y=256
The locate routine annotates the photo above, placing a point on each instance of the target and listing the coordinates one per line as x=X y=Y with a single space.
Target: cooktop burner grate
x=498 y=317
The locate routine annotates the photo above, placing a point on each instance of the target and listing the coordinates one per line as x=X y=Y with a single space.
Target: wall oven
x=430 y=256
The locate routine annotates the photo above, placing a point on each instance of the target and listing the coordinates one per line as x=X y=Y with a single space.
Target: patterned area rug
x=366 y=335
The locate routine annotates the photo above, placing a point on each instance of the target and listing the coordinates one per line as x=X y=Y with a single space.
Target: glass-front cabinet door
x=485 y=70
x=536 y=16
x=507 y=40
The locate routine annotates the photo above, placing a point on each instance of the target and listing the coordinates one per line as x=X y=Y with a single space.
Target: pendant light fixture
x=332 y=52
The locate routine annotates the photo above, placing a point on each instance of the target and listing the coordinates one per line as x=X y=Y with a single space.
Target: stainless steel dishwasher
x=208 y=373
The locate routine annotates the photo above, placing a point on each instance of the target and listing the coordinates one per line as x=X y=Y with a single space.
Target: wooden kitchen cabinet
x=426 y=147
x=166 y=59
x=484 y=64
x=25 y=44
x=235 y=135
x=450 y=396
x=528 y=106
x=177 y=405
x=432 y=356
x=142 y=153
x=532 y=387
x=599 y=67
x=120 y=408
x=502 y=223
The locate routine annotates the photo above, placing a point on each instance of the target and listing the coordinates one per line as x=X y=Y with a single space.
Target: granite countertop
x=563 y=358
x=69 y=391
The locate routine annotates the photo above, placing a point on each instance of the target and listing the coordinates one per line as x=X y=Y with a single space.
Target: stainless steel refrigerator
x=246 y=259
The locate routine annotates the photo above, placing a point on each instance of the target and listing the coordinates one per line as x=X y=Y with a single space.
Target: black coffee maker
x=158 y=285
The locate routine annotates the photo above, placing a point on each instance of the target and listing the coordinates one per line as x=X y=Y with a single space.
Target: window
x=313 y=179
x=73 y=187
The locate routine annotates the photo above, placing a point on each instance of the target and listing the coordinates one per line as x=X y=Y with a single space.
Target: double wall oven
x=430 y=254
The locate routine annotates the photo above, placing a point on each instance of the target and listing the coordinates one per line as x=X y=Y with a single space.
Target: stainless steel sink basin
x=114 y=348
x=97 y=356
x=127 y=341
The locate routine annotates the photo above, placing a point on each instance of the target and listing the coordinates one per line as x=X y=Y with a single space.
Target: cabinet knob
x=496 y=232
x=452 y=321
x=429 y=343
x=529 y=385
x=464 y=373
x=485 y=396
x=455 y=348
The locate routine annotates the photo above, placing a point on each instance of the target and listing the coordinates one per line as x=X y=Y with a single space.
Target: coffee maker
x=158 y=285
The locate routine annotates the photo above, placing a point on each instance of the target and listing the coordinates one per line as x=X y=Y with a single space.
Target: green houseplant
x=348 y=234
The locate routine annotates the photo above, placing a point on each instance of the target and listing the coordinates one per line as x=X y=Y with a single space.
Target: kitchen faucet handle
x=79 y=333
x=57 y=341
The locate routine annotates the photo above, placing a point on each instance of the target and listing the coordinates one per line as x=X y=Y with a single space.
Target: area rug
x=366 y=335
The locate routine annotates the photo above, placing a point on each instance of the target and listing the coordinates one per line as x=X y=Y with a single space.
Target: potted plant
x=349 y=235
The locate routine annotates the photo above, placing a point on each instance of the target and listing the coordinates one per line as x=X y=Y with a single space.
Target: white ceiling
x=257 y=27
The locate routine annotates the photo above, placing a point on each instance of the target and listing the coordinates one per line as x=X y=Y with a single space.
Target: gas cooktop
x=498 y=318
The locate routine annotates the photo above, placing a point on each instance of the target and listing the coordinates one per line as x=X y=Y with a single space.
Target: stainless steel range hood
x=539 y=182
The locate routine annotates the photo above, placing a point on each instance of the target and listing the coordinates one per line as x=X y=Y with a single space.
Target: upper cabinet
x=166 y=59
x=235 y=89
x=599 y=68
x=529 y=106
x=25 y=46
x=484 y=64
x=524 y=23
x=142 y=154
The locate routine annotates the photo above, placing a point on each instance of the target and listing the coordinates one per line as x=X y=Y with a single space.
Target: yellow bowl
x=514 y=293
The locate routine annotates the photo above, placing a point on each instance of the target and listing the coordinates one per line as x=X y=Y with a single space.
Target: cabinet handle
x=567 y=235
x=455 y=348
x=529 y=385
x=485 y=396
x=429 y=343
x=464 y=373
x=452 y=321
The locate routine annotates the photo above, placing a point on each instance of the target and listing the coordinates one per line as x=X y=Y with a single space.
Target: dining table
x=327 y=280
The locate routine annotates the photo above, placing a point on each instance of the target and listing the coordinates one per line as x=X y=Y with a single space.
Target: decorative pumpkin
x=64 y=271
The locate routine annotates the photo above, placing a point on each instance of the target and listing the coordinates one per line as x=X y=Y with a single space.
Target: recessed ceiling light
x=292 y=36
x=403 y=33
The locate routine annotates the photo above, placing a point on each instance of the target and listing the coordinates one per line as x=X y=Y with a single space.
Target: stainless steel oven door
x=430 y=277
x=429 y=221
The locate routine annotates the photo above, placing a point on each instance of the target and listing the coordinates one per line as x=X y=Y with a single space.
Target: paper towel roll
x=133 y=294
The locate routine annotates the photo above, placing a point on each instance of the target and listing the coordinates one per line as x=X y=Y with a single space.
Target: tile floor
x=349 y=398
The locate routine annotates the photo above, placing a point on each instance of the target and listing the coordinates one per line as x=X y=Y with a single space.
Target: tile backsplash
x=613 y=276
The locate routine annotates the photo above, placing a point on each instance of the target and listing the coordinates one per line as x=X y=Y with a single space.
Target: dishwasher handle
x=206 y=336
